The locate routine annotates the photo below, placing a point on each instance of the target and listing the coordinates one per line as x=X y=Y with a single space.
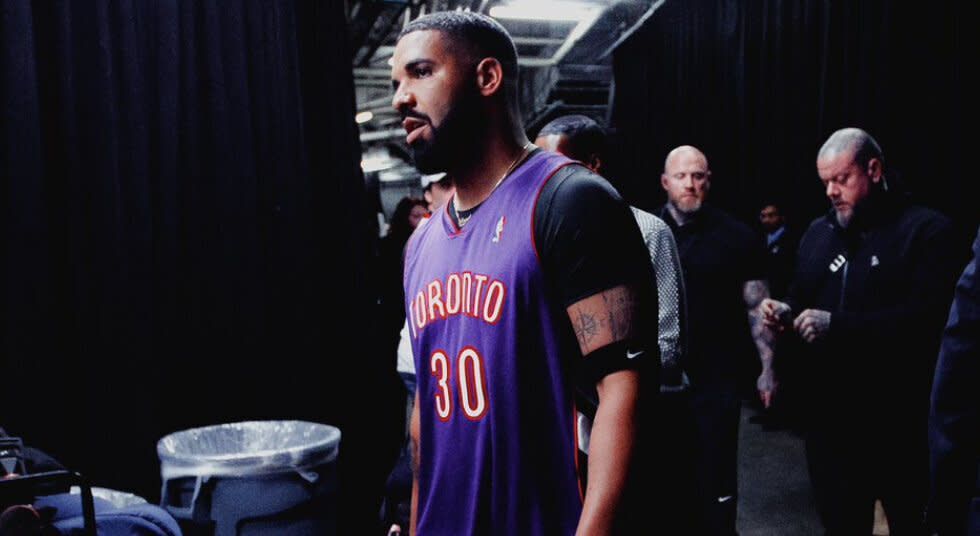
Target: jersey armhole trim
x=537 y=197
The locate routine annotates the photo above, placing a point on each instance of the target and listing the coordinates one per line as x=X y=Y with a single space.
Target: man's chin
x=688 y=207
x=428 y=168
x=425 y=160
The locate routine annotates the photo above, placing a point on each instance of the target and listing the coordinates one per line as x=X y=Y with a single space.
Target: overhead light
x=394 y=175
x=544 y=10
x=377 y=160
x=364 y=117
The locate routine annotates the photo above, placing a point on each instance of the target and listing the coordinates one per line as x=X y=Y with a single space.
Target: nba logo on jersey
x=499 y=230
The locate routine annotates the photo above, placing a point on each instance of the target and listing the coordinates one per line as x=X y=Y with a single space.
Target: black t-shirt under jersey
x=585 y=235
x=588 y=242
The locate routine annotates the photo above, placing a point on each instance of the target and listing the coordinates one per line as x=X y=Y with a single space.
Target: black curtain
x=185 y=234
x=760 y=85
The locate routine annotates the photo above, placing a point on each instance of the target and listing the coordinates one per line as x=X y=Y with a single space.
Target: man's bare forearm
x=764 y=337
x=610 y=451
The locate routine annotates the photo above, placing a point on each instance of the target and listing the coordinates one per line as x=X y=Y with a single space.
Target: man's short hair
x=852 y=139
x=481 y=35
x=585 y=136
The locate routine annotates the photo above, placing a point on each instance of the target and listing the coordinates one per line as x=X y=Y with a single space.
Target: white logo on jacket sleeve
x=836 y=264
x=499 y=230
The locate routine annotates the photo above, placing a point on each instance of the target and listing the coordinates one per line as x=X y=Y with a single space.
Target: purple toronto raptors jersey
x=498 y=445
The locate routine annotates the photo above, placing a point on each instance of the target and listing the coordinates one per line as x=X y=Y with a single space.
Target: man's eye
x=422 y=72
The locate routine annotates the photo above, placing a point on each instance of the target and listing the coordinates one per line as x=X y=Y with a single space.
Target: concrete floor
x=774 y=489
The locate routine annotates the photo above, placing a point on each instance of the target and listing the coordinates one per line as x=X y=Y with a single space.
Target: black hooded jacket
x=887 y=280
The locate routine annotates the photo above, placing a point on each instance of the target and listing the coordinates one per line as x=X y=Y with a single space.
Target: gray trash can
x=253 y=478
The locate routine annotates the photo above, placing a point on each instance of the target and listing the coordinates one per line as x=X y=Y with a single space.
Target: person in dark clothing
x=954 y=417
x=871 y=291
x=724 y=279
x=780 y=242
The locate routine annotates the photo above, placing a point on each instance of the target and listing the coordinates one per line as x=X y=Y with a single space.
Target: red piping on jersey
x=578 y=468
x=456 y=229
x=537 y=196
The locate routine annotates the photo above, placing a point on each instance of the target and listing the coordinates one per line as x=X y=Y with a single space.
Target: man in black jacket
x=954 y=417
x=724 y=282
x=869 y=298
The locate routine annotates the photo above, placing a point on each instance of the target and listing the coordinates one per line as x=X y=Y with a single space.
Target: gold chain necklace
x=460 y=219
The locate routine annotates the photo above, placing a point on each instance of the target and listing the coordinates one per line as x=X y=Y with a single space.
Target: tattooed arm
x=595 y=260
x=601 y=320
x=754 y=292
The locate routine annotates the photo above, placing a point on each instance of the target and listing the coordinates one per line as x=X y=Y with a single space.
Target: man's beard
x=844 y=217
x=453 y=140
x=687 y=205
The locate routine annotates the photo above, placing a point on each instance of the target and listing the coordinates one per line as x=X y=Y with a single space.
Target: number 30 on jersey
x=470 y=382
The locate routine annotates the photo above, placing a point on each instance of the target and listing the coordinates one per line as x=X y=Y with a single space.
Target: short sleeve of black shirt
x=586 y=236
x=588 y=242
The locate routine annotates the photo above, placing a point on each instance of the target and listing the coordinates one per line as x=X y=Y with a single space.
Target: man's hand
x=776 y=315
x=812 y=324
x=767 y=386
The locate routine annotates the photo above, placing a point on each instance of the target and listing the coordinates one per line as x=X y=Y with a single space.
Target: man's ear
x=594 y=162
x=874 y=169
x=489 y=76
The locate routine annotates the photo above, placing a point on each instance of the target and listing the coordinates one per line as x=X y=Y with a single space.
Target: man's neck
x=681 y=218
x=480 y=176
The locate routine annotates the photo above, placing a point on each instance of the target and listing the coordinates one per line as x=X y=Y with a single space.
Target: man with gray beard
x=722 y=262
x=869 y=298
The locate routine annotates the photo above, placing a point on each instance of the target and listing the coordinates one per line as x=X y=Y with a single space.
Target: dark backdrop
x=184 y=235
x=760 y=85
x=183 y=228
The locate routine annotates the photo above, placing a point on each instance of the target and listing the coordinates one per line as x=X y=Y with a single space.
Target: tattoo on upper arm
x=619 y=302
x=603 y=318
x=586 y=327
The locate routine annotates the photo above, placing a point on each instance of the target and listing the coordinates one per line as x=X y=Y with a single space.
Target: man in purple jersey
x=521 y=297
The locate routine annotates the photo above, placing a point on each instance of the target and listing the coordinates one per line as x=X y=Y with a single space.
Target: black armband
x=619 y=355
x=613 y=357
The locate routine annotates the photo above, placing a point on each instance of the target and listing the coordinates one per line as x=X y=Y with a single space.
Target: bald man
x=723 y=263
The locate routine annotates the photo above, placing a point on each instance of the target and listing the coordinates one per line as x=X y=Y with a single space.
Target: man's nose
x=402 y=99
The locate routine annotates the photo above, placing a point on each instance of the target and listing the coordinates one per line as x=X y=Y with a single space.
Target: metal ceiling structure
x=564 y=52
